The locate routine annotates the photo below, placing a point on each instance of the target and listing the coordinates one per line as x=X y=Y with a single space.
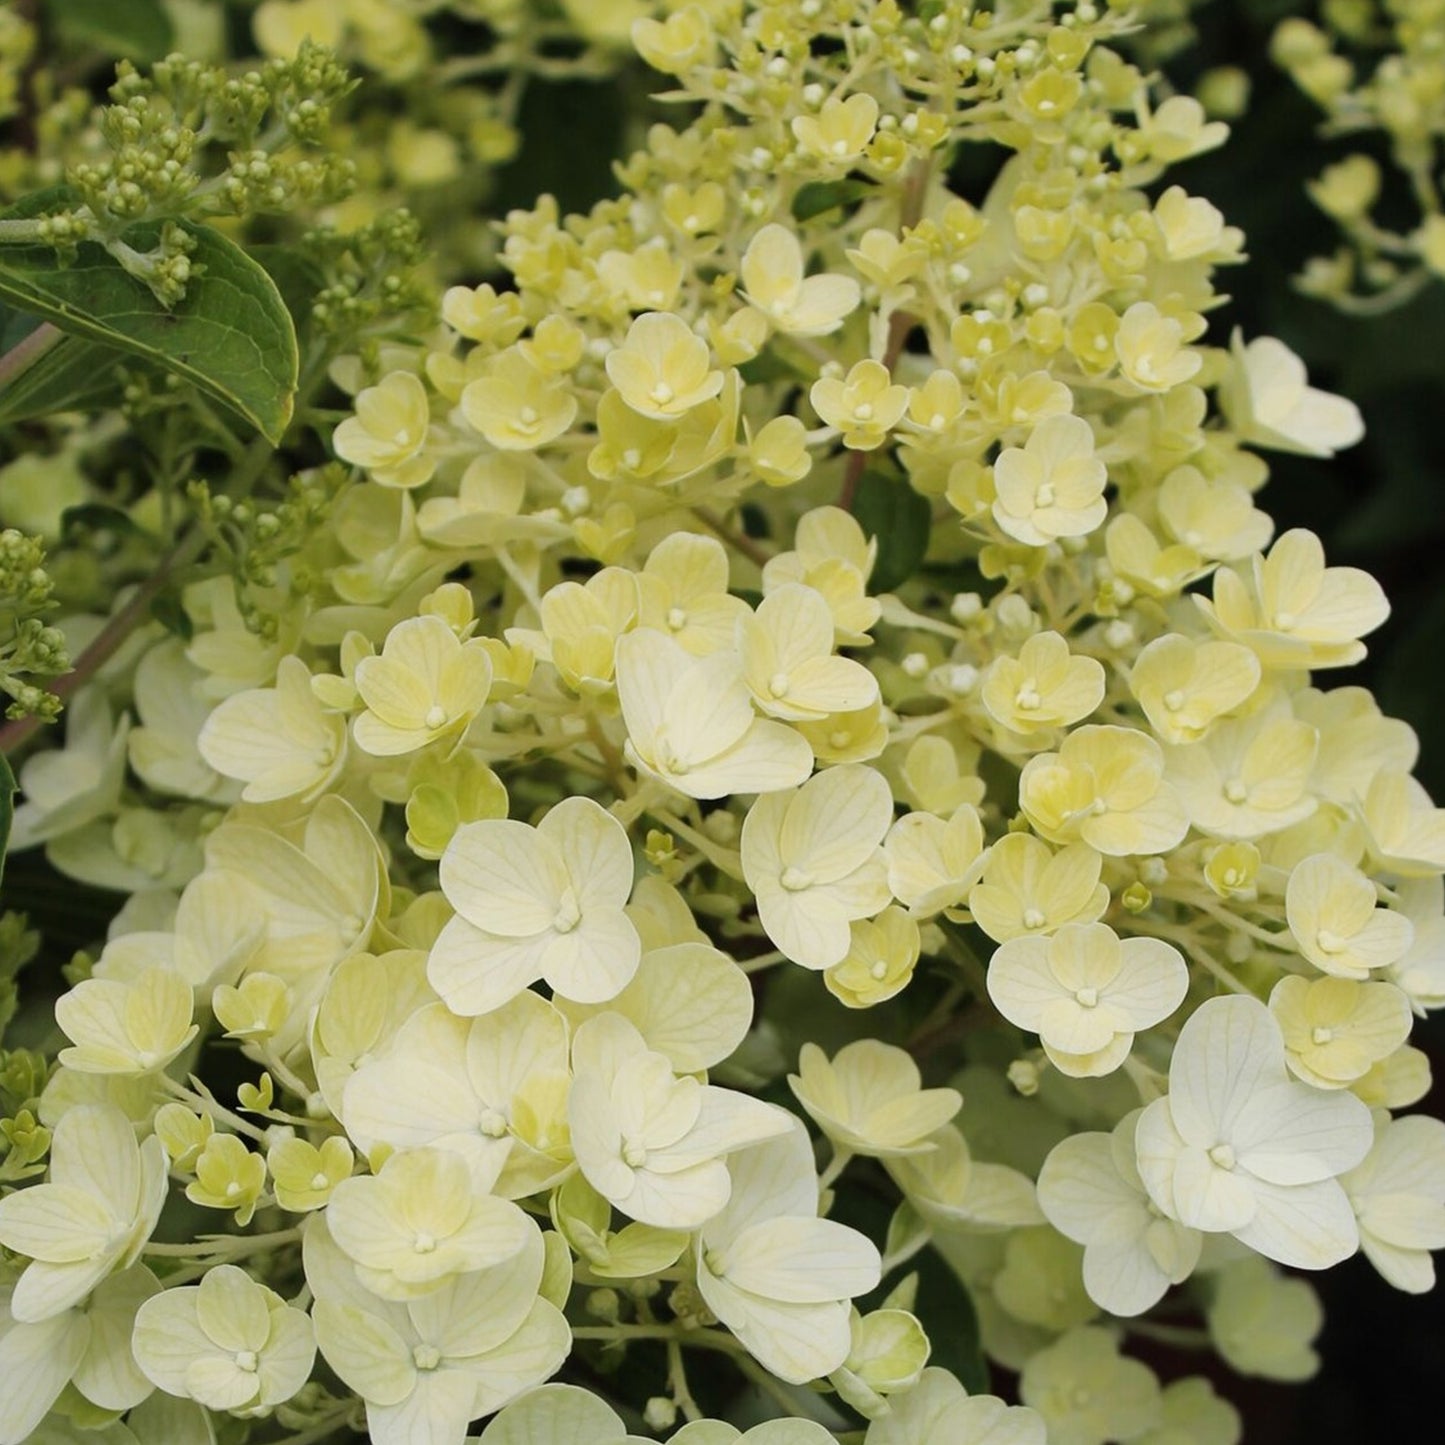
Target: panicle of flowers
x=804 y=628
x=1375 y=68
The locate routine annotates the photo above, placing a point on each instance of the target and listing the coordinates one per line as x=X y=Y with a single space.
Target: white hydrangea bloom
x=788 y=661
x=87 y=1346
x=954 y=1191
x=796 y=305
x=1089 y=1393
x=1294 y=612
x=91 y=1218
x=425 y=1215
x=869 y=1099
x=1192 y=1414
x=813 y=860
x=1269 y=402
x=134 y=1027
x=557 y=1415
x=228 y=1343
x=1090 y=1190
x=428 y=1367
x=651 y=1142
x=1239 y=1147
x=536 y=903
x=1406 y=829
x=164 y=749
x=66 y=788
x=1331 y=910
x=279 y=741
x=1398 y=1194
x=774 y=1273
x=1264 y=1322
x=494 y=1085
x=690 y=722
x=425 y=685
x=933 y=862
x=1086 y=992
x=939 y=1411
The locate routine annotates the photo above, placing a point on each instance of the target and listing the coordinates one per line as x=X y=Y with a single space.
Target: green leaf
x=890 y=510
x=818 y=197
x=7 y=808
x=231 y=336
x=136 y=29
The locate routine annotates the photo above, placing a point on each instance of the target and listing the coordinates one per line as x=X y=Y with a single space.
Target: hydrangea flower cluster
x=1375 y=66
x=802 y=650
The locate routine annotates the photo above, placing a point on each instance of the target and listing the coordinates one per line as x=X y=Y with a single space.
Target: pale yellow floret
x=1337 y=925
x=516 y=406
x=869 y=1099
x=1336 y=1029
x=1044 y=687
x=840 y=131
x=865 y=405
x=1105 y=786
x=1026 y=888
x=390 y=433
x=796 y=305
x=1052 y=486
x=425 y=685
x=882 y=954
x=662 y=370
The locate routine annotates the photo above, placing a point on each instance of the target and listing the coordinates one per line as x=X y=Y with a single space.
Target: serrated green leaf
x=890 y=510
x=819 y=197
x=7 y=808
x=231 y=335
x=135 y=29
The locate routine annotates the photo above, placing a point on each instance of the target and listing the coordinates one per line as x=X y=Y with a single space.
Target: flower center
x=1329 y=941
x=1222 y=1155
x=568 y=914
x=493 y=1123
x=436 y=716
x=1086 y=997
x=426 y=1357
x=246 y=1360
x=795 y=879
x=1034 y=918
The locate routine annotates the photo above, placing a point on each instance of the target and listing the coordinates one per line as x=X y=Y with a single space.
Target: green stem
x=690 y=1339
x=225 y=1245
x=677 y=1383
x=19 y=233
x=24 y=354
x=739 y=542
